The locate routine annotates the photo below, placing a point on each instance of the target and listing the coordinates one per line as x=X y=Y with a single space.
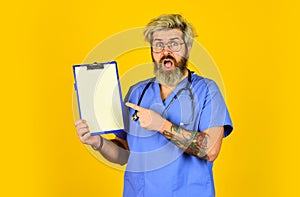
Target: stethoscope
x=186 y=88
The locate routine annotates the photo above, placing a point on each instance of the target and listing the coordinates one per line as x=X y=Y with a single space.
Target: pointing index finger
x=133 y=106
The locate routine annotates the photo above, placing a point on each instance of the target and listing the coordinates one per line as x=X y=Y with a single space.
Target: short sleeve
x=214 y=111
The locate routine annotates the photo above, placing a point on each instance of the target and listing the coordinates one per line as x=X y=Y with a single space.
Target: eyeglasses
x=174 y=46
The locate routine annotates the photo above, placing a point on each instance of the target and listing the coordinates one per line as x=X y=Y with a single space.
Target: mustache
x=167 y=57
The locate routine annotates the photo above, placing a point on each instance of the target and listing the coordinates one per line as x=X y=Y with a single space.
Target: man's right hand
x=84 y=134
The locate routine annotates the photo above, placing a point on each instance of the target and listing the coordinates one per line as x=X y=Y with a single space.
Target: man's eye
x=174 y=44
x=159 y=44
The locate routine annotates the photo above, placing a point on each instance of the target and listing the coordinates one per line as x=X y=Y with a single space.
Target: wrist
x=99 y=144
x=166 y=126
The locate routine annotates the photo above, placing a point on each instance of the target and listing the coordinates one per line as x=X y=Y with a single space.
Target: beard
x=170 y=77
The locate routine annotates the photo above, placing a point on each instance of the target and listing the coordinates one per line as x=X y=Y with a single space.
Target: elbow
x=212 y=156
x=123 y=163
x=123 y=159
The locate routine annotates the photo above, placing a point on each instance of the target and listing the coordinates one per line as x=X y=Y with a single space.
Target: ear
x=189 y=49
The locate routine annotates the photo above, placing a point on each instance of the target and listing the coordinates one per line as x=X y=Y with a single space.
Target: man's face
x=169 y=54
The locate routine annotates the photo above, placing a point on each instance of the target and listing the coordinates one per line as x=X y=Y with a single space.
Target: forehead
x=166 y=35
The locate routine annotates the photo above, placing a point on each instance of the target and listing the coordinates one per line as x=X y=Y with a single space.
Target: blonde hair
x=170 y=21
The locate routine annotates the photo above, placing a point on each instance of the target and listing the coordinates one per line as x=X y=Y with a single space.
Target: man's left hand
x=149 y=119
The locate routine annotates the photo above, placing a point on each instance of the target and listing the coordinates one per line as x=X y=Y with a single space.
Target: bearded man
x=175 y=122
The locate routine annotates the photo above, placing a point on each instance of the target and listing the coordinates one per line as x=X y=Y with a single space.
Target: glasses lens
x=157 y=49
x=157 y=46
x=174 y=46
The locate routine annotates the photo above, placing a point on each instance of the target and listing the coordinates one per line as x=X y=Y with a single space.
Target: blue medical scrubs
x=158 y=168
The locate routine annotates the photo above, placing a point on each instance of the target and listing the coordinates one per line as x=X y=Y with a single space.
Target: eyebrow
x=176 y=38
x=171 y=39
x=157 y=39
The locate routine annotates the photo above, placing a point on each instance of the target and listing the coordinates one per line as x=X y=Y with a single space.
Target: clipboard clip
x=95 y=65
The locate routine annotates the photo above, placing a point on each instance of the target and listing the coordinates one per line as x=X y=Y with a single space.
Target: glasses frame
x=169 y=45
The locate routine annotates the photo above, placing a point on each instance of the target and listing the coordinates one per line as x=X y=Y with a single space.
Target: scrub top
x=157 y=167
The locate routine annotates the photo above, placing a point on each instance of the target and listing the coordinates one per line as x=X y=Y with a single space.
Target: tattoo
x=194 y=143
x=175 y=128
x=168 y=134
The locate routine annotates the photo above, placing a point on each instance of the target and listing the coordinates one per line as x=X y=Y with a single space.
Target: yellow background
x=254 y=43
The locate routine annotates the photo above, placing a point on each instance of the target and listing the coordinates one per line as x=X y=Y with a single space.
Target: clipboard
x=99 y=96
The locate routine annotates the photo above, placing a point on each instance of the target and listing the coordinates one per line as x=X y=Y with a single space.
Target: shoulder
x=140 y=85
x=199 y=82
x=138 y=88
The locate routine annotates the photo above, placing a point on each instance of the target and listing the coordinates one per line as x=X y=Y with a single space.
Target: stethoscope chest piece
x=134 y=117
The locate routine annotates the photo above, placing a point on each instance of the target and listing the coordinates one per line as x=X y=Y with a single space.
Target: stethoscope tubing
x=135 y=117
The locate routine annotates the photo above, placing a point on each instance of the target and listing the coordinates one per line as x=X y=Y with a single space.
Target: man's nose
x=166 y=50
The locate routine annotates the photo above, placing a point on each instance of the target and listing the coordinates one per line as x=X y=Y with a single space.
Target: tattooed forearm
x=194 y=143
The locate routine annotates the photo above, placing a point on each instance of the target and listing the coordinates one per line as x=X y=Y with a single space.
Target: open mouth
x=168 y=64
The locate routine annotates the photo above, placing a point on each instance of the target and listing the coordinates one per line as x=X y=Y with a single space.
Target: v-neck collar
x=181 y=85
